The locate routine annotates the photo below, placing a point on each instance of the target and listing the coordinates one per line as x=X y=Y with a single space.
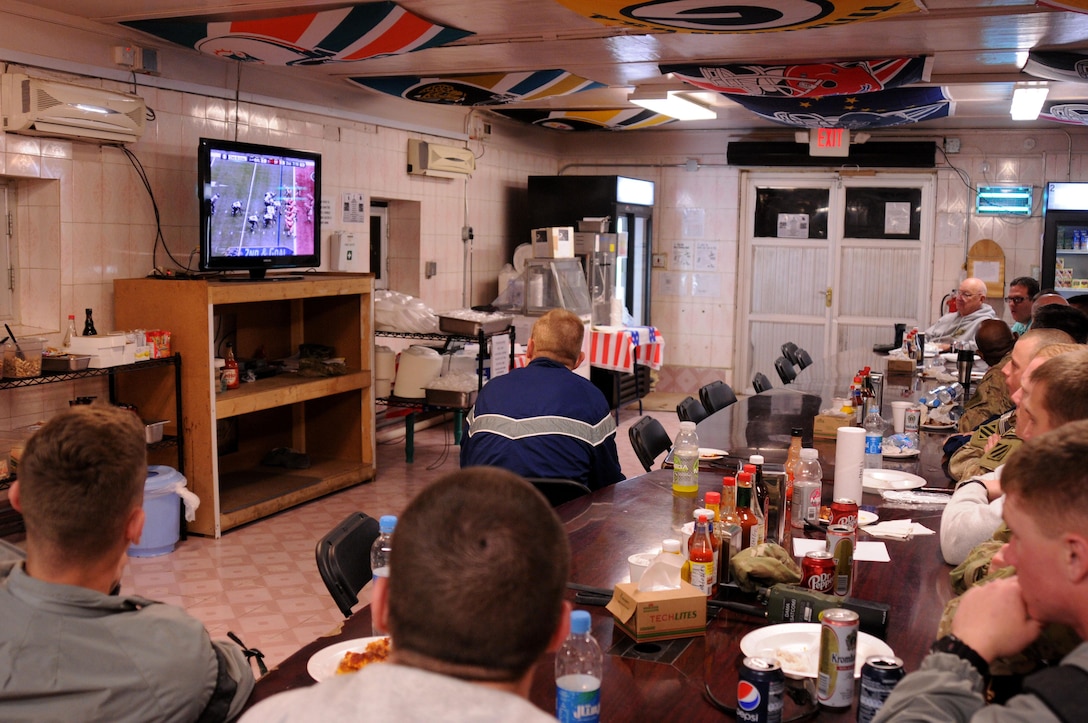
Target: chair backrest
x=789 y=350
x=649 y=439
x=785 y=369
x=343 y=559
x=717 y=395
x=559 y=490
x=804 y=359
x=760 y=382
x=691 y=410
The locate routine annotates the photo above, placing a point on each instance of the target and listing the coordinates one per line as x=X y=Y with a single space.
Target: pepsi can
x=879 y=675
x=759 y=690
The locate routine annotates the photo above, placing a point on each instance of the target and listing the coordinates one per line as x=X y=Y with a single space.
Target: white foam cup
x=899 y=415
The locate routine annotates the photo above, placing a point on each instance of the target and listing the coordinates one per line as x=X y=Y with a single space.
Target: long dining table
x=678 y=679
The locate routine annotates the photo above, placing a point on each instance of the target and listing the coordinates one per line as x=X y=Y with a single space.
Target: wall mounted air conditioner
x=41 y=107
x=432 y=159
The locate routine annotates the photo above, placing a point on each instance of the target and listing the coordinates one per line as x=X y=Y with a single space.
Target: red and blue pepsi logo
x=748 y=698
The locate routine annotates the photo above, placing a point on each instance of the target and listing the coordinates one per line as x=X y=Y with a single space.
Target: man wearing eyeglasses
x=960 y=325
x=1021 y=292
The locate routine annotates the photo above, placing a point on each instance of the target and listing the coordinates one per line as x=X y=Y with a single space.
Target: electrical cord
x=159 y=238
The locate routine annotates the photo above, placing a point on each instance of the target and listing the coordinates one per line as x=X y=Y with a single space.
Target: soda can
x=844 y=512
x=818 y=571
x=759 y=690
x=841 y=541
x=912 y=419
x=838 y=651
x=879 y=676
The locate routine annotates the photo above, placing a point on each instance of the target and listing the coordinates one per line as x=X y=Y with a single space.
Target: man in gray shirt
x=960 y=325
x=71 y=648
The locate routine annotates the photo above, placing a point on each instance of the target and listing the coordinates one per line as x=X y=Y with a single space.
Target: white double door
x=830 y=263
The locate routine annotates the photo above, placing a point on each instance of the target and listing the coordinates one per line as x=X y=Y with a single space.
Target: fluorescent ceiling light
x=671 y=103
x=1027 y=101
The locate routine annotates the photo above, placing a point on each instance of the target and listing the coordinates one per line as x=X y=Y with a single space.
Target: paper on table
x=898 y=529
x=865 y=551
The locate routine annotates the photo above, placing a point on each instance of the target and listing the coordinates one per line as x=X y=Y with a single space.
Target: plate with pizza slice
x=347 y=656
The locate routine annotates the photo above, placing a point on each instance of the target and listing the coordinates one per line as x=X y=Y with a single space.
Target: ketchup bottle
x=230 y=368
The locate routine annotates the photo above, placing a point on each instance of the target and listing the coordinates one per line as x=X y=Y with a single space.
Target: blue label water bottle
x=579 y=667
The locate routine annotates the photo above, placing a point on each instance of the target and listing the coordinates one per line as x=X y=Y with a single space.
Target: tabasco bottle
x=749 y=523
x=703 y=556
x=728 y=528
x=230 y=369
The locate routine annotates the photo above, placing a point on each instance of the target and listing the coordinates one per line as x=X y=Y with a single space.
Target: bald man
x=961 y=325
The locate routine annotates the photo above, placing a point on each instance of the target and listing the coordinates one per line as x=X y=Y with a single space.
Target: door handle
x=827 y=297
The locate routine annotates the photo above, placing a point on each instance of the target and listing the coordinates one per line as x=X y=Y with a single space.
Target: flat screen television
x=260 y=208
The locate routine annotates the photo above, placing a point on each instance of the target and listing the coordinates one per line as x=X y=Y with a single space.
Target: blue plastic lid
x=159 y=477
x=386 y=523
x=579 y=622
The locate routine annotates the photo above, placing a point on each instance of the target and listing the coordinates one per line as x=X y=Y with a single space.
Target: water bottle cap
x=579 y=622
x=687 y=426
x=809 y=453
x=756 y=459
x=387 y=523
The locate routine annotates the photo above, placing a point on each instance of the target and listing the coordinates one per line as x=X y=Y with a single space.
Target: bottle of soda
x=379 y=555
x=579 y=667
x=874 y=437
x=807 y=489
x=703 y=556
x=88 y=325
x=685 y=460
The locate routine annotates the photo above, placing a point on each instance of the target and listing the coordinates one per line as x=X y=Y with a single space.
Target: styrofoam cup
x=899 y=415
x=637 y=564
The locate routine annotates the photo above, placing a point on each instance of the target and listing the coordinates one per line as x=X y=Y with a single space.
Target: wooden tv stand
x=227 y=434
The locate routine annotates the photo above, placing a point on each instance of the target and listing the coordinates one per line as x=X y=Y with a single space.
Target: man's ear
x=134 y=527
x=1076 y=557
x=530 y=349
x=562 y=631
x=14 y=498
x=581 y=358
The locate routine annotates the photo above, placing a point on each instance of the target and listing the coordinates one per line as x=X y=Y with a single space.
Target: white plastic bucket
x=418 y=366
x=162 y=512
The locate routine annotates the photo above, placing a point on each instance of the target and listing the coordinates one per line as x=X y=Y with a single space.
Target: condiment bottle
x=69 y=333
x=88 y=325
x=749 y=523
x=748 y=474
x=701 y=553
x=230 y=369
x=792 y=456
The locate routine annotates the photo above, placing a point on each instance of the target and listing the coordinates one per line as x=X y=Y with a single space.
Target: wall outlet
x=951 y=145
x=660 y=261
x=430 y=269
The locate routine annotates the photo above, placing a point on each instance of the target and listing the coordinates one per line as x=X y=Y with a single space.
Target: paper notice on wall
x=708 y=285
x=667 y=283
x=500 y=355
x=354 y=207
x=682 y=255
x=988 y=271
x=326 y=213
x=706 y=255
x=793 y=225
x=693 y=222
x=896 y=218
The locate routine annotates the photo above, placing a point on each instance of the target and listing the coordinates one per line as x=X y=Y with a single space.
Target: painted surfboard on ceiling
x=742 y=16
x=1057 y=65
x=882 y=109
x=1076 y=6
x=1068 y=112
x=622 y=119
x=804 y=80
x=343 y=35
x=480 y=89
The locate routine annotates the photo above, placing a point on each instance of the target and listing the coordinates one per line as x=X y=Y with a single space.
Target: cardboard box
x=659 y=615
x=901 y=366
x=554 y=242
x=827 y=425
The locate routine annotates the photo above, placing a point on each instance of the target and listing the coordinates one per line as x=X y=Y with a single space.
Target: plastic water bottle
x=808 y=489
x=685 y=460
x=874 y=438
x=379 y=555
x=579 y=667
x=950 y=393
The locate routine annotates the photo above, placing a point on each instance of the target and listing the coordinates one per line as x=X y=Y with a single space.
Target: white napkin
x=865 y=551
x=898 y=529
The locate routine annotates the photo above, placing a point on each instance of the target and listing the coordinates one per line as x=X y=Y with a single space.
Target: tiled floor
x=260 y=581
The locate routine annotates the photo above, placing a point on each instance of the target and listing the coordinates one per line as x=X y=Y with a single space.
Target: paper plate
x=899 y=453
x=875 y=480
x=322 y=664
x=865 y=517
x=937 y=427
x=711 y=453
x=522 y=253
x=796 y=647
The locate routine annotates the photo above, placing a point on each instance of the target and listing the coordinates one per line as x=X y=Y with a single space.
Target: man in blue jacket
x=544 y=420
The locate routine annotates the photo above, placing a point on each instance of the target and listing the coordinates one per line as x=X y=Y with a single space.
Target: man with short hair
x=991 y=396
x=74 y=649
x=475 y=595
x=1067 y=318
x=1022 y=291
x=1048 y=517
x=544 y=420
x=960 y=325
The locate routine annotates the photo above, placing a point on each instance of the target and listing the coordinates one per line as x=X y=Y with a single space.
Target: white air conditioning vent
x=432 y=159
x=41 y=107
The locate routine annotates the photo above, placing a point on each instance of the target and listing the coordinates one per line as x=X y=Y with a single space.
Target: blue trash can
x=162 y=510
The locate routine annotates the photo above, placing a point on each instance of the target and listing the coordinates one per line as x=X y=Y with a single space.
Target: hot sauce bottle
x=230 y=369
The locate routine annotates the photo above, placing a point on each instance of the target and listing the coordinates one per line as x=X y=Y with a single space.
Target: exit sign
x=828 y=142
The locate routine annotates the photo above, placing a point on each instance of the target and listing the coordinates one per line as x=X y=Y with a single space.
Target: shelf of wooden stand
x=284 y=389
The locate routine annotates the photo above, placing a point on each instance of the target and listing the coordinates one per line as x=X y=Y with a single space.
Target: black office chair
x=804 y=359
x=717 y=395
x=691 y=410
x=789 y=350
x=760 y=382
x=558 y=490
x=343 y=559
x=649 y=439
x=786 y=371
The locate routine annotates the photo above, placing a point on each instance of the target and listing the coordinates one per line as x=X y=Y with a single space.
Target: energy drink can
x=759 y=690
x=838 y=652
x=879 y=676
x=841 y=541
